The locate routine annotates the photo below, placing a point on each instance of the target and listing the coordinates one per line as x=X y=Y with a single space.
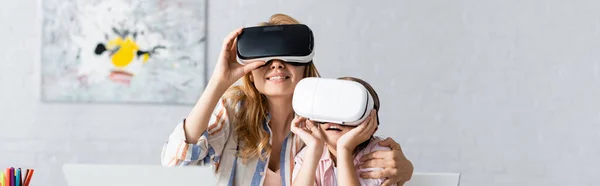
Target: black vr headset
x=292 y=44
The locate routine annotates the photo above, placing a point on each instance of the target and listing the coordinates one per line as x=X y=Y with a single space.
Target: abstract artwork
x=123 y=51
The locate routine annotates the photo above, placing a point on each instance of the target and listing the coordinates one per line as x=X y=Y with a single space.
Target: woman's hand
x=310 y=134
x=228 y=70
x=396 y=167
x=357 y=135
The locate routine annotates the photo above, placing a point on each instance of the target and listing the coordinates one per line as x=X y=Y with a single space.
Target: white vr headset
x=332 y=101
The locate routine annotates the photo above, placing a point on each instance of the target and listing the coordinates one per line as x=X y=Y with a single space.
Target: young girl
x=332 y=152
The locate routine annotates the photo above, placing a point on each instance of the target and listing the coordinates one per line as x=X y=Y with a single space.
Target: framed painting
x=123 y=51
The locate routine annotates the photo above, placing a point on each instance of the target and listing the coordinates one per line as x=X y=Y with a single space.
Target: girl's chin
x=331 y=145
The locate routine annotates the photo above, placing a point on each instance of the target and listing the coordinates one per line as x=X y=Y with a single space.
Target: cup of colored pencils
x=15 y=176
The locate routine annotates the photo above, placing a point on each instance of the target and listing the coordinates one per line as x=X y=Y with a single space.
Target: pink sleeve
x=372 y=147
x=297 y=164
x=298 y=160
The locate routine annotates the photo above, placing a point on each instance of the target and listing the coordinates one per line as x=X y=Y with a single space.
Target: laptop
x=137 y=175
x=434 y=179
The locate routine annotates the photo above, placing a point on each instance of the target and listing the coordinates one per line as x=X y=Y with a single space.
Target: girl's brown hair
x=254 y=139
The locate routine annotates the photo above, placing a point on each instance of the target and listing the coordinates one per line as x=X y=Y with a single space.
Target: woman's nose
x=277 y=64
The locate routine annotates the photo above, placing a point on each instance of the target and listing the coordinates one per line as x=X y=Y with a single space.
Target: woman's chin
x=278 y=93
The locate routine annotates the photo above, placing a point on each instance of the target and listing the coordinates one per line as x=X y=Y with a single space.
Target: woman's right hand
x=228 y=70
x=310 y=133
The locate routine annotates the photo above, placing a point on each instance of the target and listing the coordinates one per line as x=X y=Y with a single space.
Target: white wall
x=506 y=92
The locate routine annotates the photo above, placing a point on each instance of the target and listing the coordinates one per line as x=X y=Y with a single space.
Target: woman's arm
x=371 y=147
x=198 y=119
x=227 y=71
x=191 y=140
x=177 y=151
x=396 y=167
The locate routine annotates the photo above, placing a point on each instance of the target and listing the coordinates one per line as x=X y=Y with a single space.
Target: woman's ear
x=251 y=77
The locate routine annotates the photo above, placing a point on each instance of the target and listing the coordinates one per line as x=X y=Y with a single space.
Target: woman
x=244 y=131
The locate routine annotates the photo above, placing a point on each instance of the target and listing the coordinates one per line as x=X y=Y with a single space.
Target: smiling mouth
x=333 y=128
x=278 y=78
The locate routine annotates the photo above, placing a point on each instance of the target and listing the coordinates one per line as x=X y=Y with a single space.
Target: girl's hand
x=357 y=135
x=228 y=70
x=310 y=134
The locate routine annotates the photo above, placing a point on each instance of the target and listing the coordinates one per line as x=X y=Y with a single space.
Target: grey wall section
x=506 y=92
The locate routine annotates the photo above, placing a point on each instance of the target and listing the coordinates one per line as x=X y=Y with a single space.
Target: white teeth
x=333 y=127
x=277 y=77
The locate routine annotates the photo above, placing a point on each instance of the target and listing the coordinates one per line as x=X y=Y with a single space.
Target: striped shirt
x=218 y=146
x=326 y=173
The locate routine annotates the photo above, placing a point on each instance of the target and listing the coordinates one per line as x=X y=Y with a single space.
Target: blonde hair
x=254 y=139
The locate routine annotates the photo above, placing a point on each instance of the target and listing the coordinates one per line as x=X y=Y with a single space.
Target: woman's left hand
x=396 y=167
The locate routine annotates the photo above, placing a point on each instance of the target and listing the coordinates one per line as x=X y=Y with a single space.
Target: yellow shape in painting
x=126 y=52
x=145 y=57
